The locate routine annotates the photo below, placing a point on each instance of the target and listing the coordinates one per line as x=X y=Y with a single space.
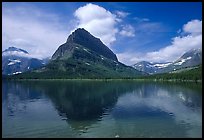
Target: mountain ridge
x=16 y=60
x=15 y=49
x=190 y=58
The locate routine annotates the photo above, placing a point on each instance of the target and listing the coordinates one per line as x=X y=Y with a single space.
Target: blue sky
x=135 y=31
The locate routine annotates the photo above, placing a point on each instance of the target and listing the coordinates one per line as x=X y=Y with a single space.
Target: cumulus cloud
x=128 y=31
x=193 y=27
x=178 y=46
x=34 y=30
x=126 y=57
x=98 y=21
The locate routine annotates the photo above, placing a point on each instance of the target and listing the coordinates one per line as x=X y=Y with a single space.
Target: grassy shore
x=130 y=79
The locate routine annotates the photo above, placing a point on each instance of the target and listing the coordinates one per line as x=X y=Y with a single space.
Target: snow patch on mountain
x=149 y=66
x=13 y=61
x=182 y=61
x=86 y=50
x=162 y=65
x=17 y=72
x=87 y=63
x=15 y=53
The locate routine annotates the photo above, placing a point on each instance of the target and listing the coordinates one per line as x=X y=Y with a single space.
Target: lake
x=101 y=109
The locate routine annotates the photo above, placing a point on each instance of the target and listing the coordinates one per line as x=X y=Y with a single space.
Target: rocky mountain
x=83 y=56
x=16 y=60
x=81 y=37
x=150 y=68
x=191 y=58
x=15 y=51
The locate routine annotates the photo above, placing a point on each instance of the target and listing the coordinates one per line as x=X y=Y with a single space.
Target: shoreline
x=152 y=80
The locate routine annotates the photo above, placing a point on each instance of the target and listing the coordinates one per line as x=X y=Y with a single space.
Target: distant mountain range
x=189 y=59
x=83 y=56
x=16 y=60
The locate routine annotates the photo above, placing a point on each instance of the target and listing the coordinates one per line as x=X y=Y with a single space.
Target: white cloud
x=179 y=45
x=121 y=14
x=98 y=21
x=128 y=31
x=34 y=30
x=125 y=57
x=141 y=19
x=193 y=27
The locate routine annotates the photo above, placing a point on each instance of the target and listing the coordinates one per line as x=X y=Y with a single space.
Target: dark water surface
x=101 y=109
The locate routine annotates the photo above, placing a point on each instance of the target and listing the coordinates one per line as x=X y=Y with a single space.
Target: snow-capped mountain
x=151 y=68
x=12 y=51
x=16 y=60
x=189 y=59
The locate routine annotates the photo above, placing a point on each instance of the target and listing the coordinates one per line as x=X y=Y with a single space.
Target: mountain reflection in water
x=104 y=109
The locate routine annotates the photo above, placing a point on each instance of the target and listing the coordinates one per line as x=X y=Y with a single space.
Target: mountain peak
x=79 y=32
x=12 y=49
x=83 y=38
x=191 y=53
x=197 y=50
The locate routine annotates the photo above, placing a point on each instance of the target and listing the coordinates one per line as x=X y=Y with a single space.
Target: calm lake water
x=101 y=109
